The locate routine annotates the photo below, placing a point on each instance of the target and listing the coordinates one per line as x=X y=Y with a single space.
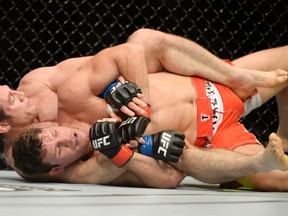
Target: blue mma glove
x=165 y=145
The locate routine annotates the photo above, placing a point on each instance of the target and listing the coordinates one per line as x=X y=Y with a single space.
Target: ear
x=56 y=171
x=4 y=127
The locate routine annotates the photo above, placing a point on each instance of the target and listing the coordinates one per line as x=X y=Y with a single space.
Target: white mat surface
x=19 y=197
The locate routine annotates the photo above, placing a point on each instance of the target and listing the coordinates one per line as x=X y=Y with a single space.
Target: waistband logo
x=204 y=117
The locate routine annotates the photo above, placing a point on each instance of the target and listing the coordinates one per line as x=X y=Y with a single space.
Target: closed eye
x=11 y=99
x=55 y=133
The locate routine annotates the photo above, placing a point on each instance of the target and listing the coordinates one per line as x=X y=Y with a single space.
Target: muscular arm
x=51 y=77
x=154 y=173
x=96 y=170
x=127 y=60
x=140 y=171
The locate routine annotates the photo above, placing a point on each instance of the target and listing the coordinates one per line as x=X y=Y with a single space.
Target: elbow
x=175 y=182
x=171 y=181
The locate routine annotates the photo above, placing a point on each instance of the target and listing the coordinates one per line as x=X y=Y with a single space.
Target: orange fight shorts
x=218 y=112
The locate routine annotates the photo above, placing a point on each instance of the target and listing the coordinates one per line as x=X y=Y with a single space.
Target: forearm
x=154 y=173
x=97 y=170
x=132 y=66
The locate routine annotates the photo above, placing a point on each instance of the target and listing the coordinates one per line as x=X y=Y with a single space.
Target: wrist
x=146 y=149
x=123 y=156
x=106 y=91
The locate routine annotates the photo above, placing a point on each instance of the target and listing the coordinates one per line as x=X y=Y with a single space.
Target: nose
x=64 y=141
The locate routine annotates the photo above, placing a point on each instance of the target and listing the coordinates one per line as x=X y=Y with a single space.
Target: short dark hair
x=28 y=153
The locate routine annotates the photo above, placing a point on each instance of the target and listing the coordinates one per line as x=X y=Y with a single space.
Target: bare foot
x=274 y=157
x=284 y=142
x=245 y=81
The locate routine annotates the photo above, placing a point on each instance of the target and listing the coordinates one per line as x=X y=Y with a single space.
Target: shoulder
x=38 y=76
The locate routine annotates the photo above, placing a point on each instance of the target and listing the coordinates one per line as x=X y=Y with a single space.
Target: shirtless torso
x=169 y=93
x=175 y=91
x=40 y=87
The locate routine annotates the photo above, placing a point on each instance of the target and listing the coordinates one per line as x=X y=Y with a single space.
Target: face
x=17 y=106
x=64 y=145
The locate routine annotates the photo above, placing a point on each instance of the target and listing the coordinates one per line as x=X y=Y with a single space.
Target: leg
x=282 y=100
x=179 y=55
x=274 y=180
x=266 y=60
x=219 y=165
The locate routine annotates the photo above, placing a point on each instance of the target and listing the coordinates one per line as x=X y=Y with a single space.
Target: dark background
x=38 y=33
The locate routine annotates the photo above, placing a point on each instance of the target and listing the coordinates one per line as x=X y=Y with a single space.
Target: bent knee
x=146 y=36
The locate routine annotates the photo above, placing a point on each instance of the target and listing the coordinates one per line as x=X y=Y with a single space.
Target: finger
x=140 y=95
x=121 y=79
x=133 y=143
x=136 y=109
x=127 y=111
x=139 y=102
x=140 y=140
x=108 y=119
x=129 y=146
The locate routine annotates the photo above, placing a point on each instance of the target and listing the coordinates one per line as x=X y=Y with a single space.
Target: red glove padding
x=123 y=156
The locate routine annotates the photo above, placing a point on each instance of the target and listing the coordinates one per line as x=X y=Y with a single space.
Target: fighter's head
x=49 y=150
x=15 y=109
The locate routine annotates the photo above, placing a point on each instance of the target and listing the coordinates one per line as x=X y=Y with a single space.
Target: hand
x=105 y=138
x=166 y=145
x=133 y=127
x=125 y=96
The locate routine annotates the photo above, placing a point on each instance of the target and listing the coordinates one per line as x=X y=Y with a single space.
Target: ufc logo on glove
x=102 y=141
x=165 y=140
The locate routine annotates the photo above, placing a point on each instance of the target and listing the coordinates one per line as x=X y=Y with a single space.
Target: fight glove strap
x=146 y=149
x=123 y=156
x=106 y=91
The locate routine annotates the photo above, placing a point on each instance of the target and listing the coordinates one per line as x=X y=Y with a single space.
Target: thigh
x=235 y=136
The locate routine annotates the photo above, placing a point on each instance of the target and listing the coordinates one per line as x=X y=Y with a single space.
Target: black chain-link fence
x=36 y=33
